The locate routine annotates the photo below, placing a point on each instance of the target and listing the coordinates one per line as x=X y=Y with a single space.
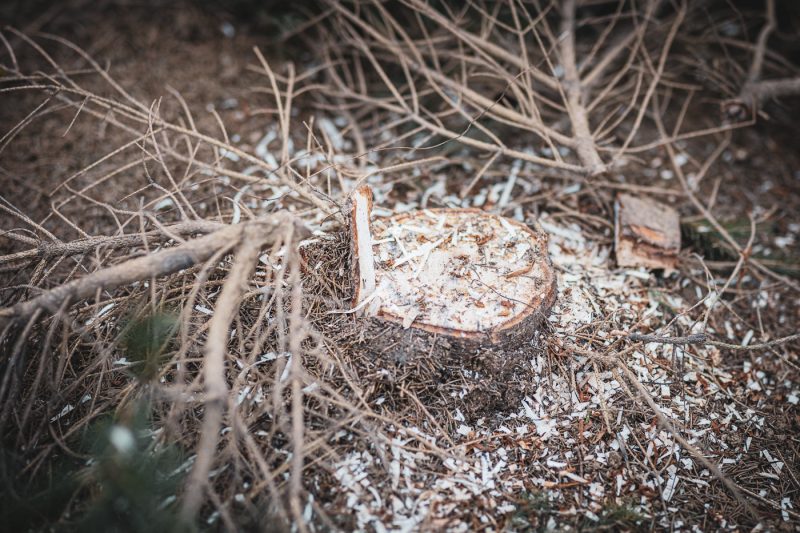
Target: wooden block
x=647 y=233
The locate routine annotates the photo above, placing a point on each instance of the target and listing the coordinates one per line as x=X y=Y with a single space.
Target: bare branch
x=584 y=142
x=252 y=237
x=47 y=250
x=157 y=264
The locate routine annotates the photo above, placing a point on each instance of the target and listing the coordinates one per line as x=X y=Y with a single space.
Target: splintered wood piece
x=472 y=277
x=647 y=233
x=364 y=267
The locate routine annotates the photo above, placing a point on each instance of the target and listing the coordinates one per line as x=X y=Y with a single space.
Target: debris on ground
x=647 y=233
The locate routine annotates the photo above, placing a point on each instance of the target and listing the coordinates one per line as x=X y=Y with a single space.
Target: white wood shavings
x=539 y=444
x=786 y=504
x=457 y=270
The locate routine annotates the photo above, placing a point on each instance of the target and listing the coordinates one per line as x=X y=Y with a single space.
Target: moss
x=618 y=517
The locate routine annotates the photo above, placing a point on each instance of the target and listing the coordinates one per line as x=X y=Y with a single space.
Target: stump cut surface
x=462 y=273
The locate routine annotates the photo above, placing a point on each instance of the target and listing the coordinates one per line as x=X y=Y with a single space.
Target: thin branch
x=252 y=238
x=754 y=74
x=699 y=338
x=157 y=264
x=702 y=339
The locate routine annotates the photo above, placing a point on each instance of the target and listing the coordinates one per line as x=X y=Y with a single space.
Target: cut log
x=468 y=277
x=647 y=233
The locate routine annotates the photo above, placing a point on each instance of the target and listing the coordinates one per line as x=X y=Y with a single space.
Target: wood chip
x=647 y=233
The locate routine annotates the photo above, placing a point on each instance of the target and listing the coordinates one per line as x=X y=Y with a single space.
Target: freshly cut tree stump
x=469 y=278
x=449 y=304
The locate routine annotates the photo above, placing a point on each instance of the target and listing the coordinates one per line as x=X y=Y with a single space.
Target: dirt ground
x=561 y=444
x=148 y=50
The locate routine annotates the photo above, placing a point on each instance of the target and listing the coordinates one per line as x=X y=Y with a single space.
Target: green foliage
x=132 y=485
x=127 y=485
x=145 y=341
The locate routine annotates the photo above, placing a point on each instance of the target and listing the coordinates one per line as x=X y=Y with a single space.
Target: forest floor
x=573 y=444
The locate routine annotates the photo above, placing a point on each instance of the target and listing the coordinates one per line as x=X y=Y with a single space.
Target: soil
x=148 y=48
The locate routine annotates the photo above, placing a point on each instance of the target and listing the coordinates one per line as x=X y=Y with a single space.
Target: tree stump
x=471 y=278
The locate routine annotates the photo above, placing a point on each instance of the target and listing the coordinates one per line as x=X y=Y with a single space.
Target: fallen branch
x=252 y=238
x=47 y=250
x=157 y=264
x=699 y=338
x=585 y=145
x=752 y=347
x=702 y=338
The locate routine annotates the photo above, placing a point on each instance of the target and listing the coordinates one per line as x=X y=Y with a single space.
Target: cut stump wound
x=470 y=278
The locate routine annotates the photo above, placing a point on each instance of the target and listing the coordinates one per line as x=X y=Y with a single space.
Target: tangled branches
x=172 y=257
x=755 y=90
x=517 y=74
